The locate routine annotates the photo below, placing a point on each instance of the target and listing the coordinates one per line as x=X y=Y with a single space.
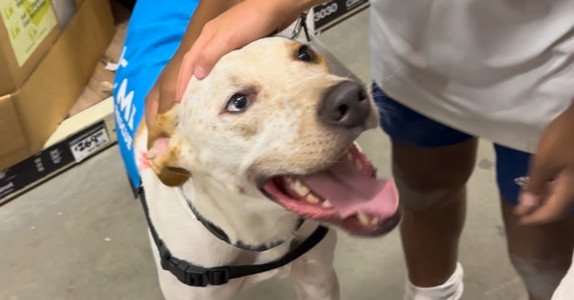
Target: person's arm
x=162 y=95
x=549 y=193
x=240 y=25
x=206 y=11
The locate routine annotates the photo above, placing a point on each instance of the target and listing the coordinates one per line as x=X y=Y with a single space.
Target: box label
x=28 y=22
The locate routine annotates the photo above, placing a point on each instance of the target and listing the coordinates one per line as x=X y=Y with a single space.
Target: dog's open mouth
x=347 y=194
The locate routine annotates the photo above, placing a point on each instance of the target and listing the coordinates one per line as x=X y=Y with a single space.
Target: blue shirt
x=154 y=33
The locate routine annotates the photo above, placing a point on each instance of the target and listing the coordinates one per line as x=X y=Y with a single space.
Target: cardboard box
x=64 y=10
x=79 y=2
x=12 y=143
x=77 y=139
x=44 y=99
x=27 y=32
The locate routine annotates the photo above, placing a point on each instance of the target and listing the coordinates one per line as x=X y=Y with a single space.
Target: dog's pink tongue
x=352 y=191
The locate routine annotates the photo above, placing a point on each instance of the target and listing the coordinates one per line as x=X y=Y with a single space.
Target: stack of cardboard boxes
x=48 y=52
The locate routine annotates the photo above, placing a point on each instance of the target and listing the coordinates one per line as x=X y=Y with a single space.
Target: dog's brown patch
x=164 y=164
x=317 y=58
x=172 y=176
x=164 y=126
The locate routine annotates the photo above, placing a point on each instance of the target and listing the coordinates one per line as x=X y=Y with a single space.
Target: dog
x=255 y=158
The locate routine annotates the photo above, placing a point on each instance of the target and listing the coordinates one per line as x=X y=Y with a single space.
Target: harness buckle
x=194 y=276
x=218 y=276
x=197 y=279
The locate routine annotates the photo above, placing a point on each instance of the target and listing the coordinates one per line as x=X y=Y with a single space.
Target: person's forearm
x=209 y=9
x=205 y=11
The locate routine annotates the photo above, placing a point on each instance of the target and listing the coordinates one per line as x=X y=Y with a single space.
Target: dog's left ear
x=164 y=150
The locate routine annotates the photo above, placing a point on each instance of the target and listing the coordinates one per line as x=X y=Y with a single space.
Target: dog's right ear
x=164 y=150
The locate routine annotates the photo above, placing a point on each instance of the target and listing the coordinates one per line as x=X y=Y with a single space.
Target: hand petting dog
x=162 y=95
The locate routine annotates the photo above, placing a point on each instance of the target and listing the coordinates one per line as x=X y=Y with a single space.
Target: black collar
x=198 y=276
x=220 y=234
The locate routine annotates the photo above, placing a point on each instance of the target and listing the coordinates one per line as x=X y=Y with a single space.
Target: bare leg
x=431 y=184
x=540 y=254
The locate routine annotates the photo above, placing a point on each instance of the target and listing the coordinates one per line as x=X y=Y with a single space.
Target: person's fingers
x=221 y=44
x=238 y=26
x=560 y=202
x=542 y=172
x=189 y=59
x=233 y=29
x=204 y=54
x=185 y=73
x=227 y=37
x=527 y=203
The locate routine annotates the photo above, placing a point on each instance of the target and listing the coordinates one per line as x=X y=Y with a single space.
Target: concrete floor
x=83 y=236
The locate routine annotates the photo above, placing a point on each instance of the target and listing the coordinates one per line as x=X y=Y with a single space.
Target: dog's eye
x=305 y=54
x=237 y=103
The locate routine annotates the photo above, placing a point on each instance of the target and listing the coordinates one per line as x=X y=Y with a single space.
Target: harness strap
x=198 y=276
x=220 y=234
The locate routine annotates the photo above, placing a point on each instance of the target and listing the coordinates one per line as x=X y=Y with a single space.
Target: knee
x=540 y=275
x=423 y=191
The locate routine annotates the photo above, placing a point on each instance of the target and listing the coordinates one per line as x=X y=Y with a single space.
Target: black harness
x=220 y=234
x=199 y=276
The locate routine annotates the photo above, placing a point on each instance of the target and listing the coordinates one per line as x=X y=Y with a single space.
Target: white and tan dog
x=265 y=140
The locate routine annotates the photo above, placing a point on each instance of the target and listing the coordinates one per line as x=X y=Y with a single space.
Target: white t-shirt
x=497 y=69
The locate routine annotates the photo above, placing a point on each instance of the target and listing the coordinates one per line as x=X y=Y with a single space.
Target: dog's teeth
x=358 y=165
x=363 y=219
x=300 y=188
x=312 y=199
x=375 y=220
x=349 y=156
x=327 y=204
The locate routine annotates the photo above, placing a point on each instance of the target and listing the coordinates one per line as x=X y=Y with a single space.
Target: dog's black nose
x=346 y=105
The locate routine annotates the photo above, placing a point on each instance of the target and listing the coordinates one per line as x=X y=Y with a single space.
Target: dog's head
x=272 y=122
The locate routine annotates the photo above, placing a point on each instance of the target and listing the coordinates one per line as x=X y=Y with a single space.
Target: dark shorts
x=412 y=128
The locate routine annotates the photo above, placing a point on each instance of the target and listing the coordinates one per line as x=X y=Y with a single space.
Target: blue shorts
x=412 y=128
